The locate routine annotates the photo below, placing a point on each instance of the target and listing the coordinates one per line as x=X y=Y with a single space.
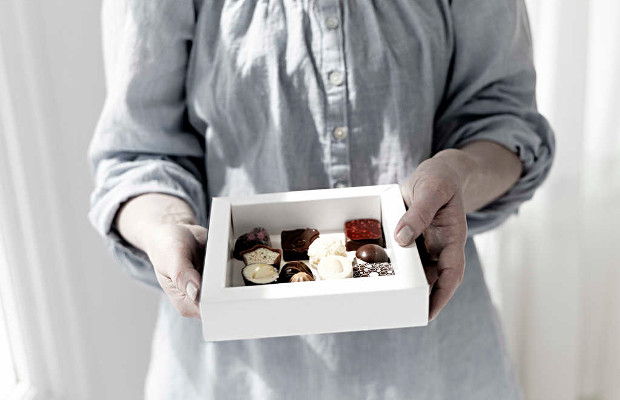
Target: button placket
x=334 y=72
x=340 y=132
x=331 y=22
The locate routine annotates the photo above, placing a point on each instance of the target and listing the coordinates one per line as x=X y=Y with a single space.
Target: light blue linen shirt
x=229 y=97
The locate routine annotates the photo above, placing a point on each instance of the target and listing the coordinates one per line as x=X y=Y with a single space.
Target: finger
x=432 y=275
x=186 y=278
x=430 y=265
x=200 y=233
x=427 y=198
x=178 y=276
x=451 y=267
x=186 y=307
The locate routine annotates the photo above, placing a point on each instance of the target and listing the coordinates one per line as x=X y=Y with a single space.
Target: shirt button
x=336 y=78
x=340 y=133
x=340 y=185
x=331 y=22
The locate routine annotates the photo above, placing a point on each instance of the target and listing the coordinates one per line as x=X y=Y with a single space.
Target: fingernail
x=404 y=237
x=192 y=290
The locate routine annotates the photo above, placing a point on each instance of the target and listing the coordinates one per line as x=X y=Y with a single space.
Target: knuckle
x=439 y=188
x=177 y=278
x=424 y=216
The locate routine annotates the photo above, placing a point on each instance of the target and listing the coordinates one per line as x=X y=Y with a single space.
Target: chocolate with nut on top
x=292 y=268
x=359 y=232
x=302 y=277
x=295 y=243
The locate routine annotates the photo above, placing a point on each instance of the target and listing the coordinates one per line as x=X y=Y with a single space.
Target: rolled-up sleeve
x=491 y=95
x=143 y=142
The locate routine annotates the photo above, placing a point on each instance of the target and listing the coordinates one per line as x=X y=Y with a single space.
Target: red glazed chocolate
x=359 y=232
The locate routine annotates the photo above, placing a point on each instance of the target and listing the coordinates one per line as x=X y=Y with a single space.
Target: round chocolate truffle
x=301 y=277
x=372 y=253
x=259 y=274
x=291 y=268
x=335 y=267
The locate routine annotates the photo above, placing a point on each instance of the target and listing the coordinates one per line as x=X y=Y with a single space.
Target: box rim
x=214 y=282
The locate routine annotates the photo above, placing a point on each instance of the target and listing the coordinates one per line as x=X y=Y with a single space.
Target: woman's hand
x=438 y=195
x=434 y=197
x=177 y=253
x=164 y=227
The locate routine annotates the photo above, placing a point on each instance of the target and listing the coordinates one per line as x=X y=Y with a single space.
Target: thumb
x=200 y=233
x=426 y=200
x=187 y=278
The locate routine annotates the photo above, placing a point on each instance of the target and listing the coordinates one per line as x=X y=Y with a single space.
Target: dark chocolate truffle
x=295 y=243
x=248 y=240
x=359 y=232
x=292 y=268
x=376 y=269
x=372 y=253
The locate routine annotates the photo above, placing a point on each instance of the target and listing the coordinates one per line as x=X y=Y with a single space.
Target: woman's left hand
x=434 y=197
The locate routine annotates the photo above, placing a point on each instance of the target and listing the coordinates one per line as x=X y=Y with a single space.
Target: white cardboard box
x=232 y=311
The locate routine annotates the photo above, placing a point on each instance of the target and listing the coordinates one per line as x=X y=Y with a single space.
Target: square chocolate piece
x=295 y=243
x=359 y=232
x=375 y=269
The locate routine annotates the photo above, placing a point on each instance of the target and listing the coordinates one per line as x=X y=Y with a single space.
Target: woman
x=230 y=97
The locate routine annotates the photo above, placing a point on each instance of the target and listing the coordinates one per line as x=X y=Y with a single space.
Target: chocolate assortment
x=359 y=232
x=310 y=256
x=295 y=243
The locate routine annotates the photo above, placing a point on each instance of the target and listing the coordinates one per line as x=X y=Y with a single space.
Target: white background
x=552 y=271
x=52 y=56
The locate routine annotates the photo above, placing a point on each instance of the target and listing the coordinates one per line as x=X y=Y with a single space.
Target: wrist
x=459 y=164
x=140 y=219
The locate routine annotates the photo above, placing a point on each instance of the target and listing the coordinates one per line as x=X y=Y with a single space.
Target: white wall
x=52 y=48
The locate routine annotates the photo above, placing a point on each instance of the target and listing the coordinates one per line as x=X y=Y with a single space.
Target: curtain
x=554 y=271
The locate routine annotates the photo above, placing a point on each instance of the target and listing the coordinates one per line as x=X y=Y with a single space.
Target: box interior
x=326 y=215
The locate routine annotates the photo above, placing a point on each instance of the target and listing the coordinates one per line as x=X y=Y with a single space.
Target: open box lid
x=242 y=312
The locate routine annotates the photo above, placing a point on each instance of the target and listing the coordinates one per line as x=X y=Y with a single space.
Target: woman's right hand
x=177 y=253
x=164 y=227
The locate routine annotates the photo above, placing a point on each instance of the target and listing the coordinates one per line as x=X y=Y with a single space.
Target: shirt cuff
x=156 y=178
x=536 y=156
